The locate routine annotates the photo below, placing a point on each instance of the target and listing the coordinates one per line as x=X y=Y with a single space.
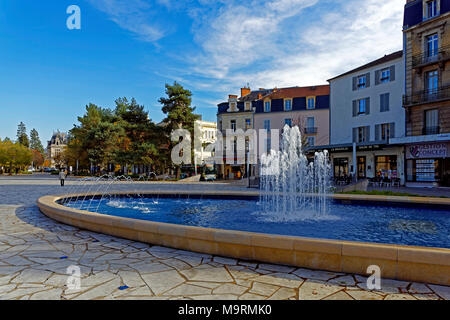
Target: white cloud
x=136 y=16
x=285 y=47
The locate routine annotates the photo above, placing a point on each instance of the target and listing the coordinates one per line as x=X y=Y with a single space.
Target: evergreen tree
x=22 y=136
x=35 y=142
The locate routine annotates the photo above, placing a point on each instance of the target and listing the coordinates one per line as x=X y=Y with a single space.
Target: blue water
x=368 y=223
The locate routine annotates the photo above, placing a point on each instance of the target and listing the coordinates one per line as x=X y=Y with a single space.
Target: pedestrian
x=62 y=177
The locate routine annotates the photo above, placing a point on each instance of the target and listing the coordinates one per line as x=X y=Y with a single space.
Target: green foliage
x=35 y=142
x=14 y=155
x=22 y=136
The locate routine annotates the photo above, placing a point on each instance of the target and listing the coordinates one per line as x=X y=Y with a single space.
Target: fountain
x=292 y=188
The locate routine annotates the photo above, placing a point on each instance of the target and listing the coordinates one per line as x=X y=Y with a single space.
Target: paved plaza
x=35 y=253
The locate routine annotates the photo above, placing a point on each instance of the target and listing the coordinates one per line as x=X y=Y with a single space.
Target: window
x=267 y=106
x=385 y=134
x=267 y=125
x=233 y=106
x=431 y=122
x=386 y=166
x=311 y=141
x=431 y=82
x=362 y=106
x=288 y=122
x=247 y=106
x=431 y=8
x=248 y=124
x=288 y=105
x=311 y=103
x=361 y=134
x=384 y=102
x=220 y=125
x=385 y=75
x=361 y=82
x=431 y=49
x=233 y=125
x=310 y=122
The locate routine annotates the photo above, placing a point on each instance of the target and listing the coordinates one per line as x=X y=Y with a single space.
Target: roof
x=386 y=58
x=297 y=92
x=253 y=95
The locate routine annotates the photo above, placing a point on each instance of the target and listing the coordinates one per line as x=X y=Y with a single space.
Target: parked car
x=210 y=177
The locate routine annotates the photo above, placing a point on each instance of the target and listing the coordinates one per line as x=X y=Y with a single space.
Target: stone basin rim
x=402 y=262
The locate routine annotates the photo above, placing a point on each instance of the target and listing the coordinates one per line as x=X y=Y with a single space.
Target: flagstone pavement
x=36 y=252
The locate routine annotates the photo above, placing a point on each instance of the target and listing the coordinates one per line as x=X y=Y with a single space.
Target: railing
x=425 y=96
x=431 y=130
x=310 y=130
x=423 y=59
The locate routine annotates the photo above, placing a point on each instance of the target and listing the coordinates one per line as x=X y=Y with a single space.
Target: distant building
x=56 y=146
x=208 y=135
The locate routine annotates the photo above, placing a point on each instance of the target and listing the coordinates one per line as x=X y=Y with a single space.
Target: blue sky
x=132 y=48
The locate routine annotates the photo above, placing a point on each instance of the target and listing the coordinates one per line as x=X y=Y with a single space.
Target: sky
x=132 y=48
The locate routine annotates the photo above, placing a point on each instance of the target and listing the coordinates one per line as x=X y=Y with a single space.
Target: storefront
x=375 y=160
x=428 y=164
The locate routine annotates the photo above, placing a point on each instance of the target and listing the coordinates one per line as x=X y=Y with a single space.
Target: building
x=207 y=132
x=237 y=113
x=366 y=113
x=55 y=147
x=306 y=107
x=426 y=31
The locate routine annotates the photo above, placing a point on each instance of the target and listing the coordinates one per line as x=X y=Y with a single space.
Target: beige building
x=56 y=146
x=426 y=32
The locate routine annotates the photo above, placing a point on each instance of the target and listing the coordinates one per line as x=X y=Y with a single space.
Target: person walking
x=62 y=177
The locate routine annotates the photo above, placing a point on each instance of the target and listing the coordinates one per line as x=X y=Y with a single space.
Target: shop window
x=386 y=166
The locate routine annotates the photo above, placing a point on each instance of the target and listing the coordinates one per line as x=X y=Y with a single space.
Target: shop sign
x=429 y=150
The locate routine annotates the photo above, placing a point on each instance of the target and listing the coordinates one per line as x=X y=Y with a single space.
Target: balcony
x=310 y=130
x=427 y=96
x=425 y=59
x=431 y=130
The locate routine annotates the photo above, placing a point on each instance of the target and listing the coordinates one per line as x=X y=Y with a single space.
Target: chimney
x=232 y=97
x=259 y=96
x=245 y=91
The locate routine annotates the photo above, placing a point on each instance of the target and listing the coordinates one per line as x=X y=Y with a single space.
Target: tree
x=180 y=114
x=22 y=136
x=38 y=158
x=14 y=155
x=35 y=142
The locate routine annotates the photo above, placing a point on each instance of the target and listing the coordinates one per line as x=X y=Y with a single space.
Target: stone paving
x=36 y=251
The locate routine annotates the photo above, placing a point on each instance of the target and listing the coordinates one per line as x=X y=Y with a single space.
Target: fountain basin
x=401 y=262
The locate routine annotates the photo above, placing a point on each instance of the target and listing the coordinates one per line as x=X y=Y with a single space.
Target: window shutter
x=355 y=134
x=392 y=130
x=392 y=73
x=367 y=105
x=386 y=101
x=377 y=77
x=355 y=108
x=367 y=134
x=367 y=80
x=377 y=132
x=381 y=102
x=354 y=83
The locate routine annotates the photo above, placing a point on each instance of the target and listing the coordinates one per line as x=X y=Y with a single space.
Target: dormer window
x=310 y=103
x=288 y=105
x=248 y=106
x=233 y=106
x=267 y=106
x=432 y=9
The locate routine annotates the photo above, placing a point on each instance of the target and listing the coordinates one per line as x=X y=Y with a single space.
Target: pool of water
x=429 y=227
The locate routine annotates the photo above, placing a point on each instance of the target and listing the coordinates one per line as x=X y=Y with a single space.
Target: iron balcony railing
x=431 y=57
x=431 y=130
x=310 y=130
x=425 y=96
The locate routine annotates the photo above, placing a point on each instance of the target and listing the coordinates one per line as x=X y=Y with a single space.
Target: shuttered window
x=384 y=102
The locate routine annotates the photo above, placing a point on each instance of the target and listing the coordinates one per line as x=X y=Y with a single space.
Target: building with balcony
x=426 y=101
x=207 y=134
x=55 y=148
x=366 y=113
